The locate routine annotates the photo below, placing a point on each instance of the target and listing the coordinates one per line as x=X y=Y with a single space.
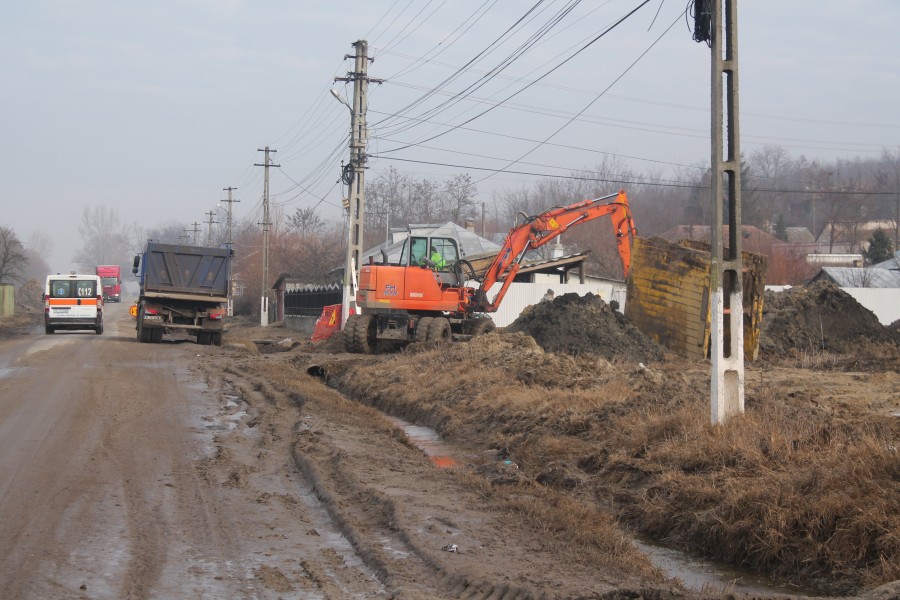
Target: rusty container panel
x=668 y=295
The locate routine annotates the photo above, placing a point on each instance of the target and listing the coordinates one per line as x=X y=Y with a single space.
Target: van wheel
x=48 y=330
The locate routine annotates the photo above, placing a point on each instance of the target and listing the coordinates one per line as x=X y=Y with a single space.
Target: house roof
x=860 y=277
x=754 y=239
x=798 y=234
x=891 y=263
x=470 y=243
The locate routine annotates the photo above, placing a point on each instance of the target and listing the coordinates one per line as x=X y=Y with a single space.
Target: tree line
x=831 y=199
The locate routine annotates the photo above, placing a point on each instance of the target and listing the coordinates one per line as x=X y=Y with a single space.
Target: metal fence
x=308 y=300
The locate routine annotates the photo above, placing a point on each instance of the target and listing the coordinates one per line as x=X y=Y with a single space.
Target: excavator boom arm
x=544 y=227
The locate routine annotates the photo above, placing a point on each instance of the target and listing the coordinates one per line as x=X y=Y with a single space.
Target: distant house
x=855 y=277
x=876 y=287
x=855 y=235
x=797 y=235
x=753 y=239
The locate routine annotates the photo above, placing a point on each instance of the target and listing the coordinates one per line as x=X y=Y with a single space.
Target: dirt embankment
x=819 y=318
x=805 y=485
x=573 y=324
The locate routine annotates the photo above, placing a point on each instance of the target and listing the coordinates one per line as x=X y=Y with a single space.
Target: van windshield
x=73 y=288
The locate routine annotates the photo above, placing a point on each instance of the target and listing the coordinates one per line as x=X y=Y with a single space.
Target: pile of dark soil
x=573 y=324
x=818 y=317
x=25 y=319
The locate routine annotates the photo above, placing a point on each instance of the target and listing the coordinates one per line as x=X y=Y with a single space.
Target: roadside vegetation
x=804 y=486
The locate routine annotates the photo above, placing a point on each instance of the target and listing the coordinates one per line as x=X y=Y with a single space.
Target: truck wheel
x=422 y=329
x=156 y=335
x=204 y=338
x=143 y=334
x=439 y=330
x=48 y=330
x=217 y=338
x=363 y=336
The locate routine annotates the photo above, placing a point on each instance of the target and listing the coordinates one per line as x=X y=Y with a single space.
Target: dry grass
x=789 y=487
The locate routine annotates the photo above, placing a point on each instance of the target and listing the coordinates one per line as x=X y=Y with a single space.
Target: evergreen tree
x=781 y=228
x=880 y=248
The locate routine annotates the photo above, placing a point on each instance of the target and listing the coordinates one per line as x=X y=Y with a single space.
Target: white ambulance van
x=73 y=301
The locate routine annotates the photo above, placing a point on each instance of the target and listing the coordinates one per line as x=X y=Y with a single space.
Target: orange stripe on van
x=72 y=301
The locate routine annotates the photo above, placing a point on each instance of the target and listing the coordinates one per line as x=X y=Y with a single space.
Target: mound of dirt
x=820 y=317
x=25 y=319
x=573 y=324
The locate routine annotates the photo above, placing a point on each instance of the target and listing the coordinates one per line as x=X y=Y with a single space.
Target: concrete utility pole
x=264 y=297
x=195 y=232
x=727 y=302
x=354 y=174
x=209 y=223
x=230 y=243
x=230 y=202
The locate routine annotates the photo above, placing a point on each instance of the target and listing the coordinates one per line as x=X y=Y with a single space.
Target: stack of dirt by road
x=819 y=317
x=577 y=325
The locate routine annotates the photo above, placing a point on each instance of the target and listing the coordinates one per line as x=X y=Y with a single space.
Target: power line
x=481 y=114
x=632 y=182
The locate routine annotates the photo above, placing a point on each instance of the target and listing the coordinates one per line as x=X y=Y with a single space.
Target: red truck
x=111 y=277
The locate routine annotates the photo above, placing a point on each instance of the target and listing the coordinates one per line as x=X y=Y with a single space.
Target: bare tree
x=104 y=238
x=12 y=256
x=458 y=195
x=306 y=222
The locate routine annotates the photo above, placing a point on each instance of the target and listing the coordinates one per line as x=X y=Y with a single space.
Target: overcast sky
x=152 y=108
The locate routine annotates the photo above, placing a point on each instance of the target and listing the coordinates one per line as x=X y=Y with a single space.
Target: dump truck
x=183 y=289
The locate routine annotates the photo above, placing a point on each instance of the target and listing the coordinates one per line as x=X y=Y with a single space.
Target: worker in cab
x=436 y=259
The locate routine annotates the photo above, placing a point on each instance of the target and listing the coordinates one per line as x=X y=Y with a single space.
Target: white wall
x=884 y=302
x=521 y=295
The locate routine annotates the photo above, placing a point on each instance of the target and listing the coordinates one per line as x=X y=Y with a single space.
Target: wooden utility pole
x=727 y=316
x=264 y=296
x=354 y=174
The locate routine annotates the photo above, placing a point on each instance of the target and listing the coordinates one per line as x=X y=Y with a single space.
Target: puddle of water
x=696 y=574
x=427 y=440
x=703 y=576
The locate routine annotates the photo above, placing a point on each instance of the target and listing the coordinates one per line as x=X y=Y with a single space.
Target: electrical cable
x=544 y=75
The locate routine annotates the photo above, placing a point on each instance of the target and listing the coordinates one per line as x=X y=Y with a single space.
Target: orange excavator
x=426 y=296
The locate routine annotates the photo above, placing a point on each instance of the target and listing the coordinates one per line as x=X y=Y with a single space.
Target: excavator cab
x=420 y=252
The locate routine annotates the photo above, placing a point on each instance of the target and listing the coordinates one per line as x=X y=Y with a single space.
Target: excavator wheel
x=422 y=329
x=361 y=339
x=439 y=330
x=482 y=326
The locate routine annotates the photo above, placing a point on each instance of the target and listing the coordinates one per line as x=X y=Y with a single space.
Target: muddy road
x=174 y=470
x=123 y=475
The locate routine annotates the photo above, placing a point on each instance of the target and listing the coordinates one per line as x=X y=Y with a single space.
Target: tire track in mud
x=303 y=549
x=386 y=537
